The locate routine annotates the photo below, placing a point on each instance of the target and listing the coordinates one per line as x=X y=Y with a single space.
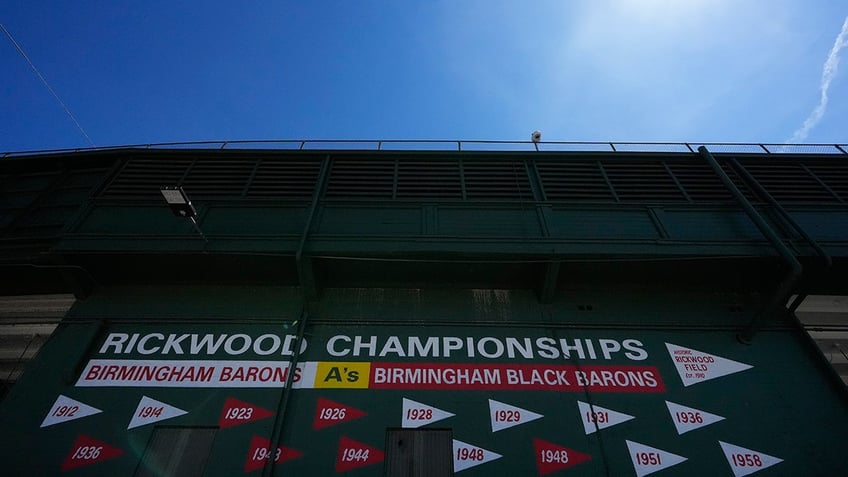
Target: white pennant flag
x=746 y=461
x=647 y=459
x=66 y=409
x=466 y=456
x=416 y=414
x=150 y=411
x=504 y=416
x=597 y=417
x=695 y=366
x=688 y=418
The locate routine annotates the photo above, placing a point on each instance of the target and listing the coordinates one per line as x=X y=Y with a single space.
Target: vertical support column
x=548 y=286
x=546 y=294
x=538 y=191
x=429 y=219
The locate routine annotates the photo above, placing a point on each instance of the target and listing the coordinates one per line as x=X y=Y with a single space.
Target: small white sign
x=688 y=418
x=746 y=461
x=466 y=456
x=66 y=409
x=150 y=411
x=597 y=417
x=647 y=459
x=416 y=414
x=504 y=416
x=695 y=366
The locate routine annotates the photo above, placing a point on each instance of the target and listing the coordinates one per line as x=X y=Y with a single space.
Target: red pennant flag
x=237 y=412
x=353 y=455
x=329 y=413
x=88 y=451
x=260 y=452
x=551 y=457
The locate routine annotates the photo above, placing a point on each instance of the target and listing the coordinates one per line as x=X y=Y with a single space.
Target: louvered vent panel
x=215 y=178
x=428 y=179
x=573 y=180
x=55 y=204
x=642 y=181
x=703 y=185
x=284 y=178
x=496 y=180
x=142 y=178
x=788 y=182
x=352 y=178
x=700 y=182
x=835 y=176
x=741 y=184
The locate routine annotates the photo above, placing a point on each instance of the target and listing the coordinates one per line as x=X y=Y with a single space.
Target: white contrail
x=828 y=73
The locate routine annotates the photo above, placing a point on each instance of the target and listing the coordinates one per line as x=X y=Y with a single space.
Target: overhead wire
x=47 y=85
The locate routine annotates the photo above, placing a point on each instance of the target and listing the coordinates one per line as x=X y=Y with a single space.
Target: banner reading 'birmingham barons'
x=368 y=375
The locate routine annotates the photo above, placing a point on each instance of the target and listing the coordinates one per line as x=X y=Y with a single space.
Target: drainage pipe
x=787 y=285
x=281 y=414
x=761 y=191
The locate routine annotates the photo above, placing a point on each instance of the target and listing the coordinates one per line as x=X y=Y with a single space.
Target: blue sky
x=608 y=70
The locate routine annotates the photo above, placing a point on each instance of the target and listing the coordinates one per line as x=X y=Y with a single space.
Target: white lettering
x=608 y=347
x=566 y=349
x=114 y=339
x=143 y=341
x=450 y=343
x=208 y=341
x=547 y=348
x=383 y=346
x=173 y=343
x=481 y=347
x=359 y=345
x=331 y=346
x=287 y=345
x=392 y=346
x=512 y=344
x=634 y=347
x=416 y=348
x=591 y=349
x=128 y=349
x=228 y=345
x=275 y=343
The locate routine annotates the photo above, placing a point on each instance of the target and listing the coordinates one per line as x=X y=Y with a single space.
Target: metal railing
x=469 y=145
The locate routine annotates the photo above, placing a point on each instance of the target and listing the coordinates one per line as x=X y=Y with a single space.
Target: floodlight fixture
x=178 y=201
x=180 y=205
x=535 y=137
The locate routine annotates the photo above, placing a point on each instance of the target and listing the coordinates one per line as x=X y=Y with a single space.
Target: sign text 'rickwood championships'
x=173 y=371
